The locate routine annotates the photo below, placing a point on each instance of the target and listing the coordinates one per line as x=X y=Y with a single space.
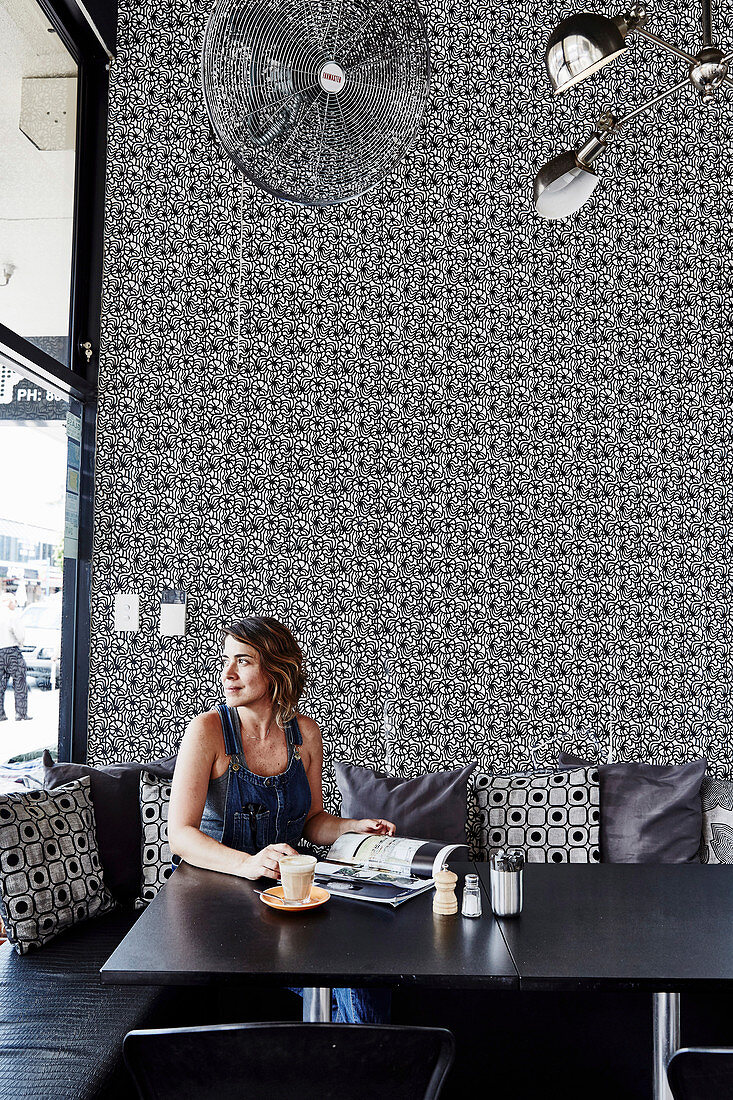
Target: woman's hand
x=265 y=863
x=374 y=825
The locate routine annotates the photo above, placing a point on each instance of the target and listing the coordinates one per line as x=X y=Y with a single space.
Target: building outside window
x=37 y=473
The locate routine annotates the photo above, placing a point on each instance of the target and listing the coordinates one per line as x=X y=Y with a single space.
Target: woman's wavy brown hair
x=281 y=660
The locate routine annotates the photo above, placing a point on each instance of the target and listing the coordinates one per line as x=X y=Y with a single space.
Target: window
x=38 y=510
x=38 y=108
x=53 y=79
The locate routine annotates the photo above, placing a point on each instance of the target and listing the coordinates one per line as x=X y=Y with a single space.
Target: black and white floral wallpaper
x=479 y=462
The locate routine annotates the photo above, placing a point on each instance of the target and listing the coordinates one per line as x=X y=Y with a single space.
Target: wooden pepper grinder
x=445 y=902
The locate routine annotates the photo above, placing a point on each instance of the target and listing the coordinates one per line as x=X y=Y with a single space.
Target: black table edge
x=437 y=981
x=566 y=984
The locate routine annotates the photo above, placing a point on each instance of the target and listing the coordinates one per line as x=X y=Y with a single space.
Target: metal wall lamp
x=580 y=46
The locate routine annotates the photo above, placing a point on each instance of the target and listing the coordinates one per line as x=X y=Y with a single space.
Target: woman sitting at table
x=247 y=784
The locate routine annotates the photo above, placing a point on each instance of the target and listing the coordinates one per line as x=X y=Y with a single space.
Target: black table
x=632 y=926
x=661 y=928
x=205 y=928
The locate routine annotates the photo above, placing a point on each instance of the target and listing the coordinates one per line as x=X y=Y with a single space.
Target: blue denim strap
x=232 y=747
x=292 y=730
x=230 y=727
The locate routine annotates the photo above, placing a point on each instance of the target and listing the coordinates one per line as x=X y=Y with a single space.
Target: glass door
x=54 y=83
x=39 y=487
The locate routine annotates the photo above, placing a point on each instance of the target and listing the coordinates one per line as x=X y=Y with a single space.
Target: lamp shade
x=562 y=186
x=581 y=45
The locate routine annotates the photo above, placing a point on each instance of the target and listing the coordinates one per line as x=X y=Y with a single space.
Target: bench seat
x=61 y=1029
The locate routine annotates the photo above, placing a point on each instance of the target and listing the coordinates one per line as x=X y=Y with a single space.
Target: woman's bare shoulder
x=205 y=729
x=310 y=729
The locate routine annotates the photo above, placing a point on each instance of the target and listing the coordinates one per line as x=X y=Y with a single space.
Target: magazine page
x=390 y=852
x=393 y=851
x=336 y=872
x=346 y=847
x=432 y=857
x=401 y=854
x=365 y=884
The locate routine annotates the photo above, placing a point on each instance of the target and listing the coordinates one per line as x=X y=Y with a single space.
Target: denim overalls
x=262 y=810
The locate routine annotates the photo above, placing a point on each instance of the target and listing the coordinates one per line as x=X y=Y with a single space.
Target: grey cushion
x=428 y=807
x=716 y=796
x=650 y=813
x=116 y=798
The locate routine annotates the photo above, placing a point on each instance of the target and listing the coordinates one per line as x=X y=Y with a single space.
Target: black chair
x=701 y=1073
x=288 y=1060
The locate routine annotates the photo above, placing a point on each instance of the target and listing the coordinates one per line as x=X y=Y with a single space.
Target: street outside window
x=38 y=482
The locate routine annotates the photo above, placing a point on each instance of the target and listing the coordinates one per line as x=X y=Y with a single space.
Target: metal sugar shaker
x=505 y=876
x=471 y=906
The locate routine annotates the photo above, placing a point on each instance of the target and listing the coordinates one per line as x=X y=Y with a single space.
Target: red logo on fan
x=332 y=78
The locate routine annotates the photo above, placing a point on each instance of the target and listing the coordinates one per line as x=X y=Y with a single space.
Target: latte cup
x=296 y=873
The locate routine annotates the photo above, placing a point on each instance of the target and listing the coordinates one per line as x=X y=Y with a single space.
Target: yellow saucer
x=274 y=898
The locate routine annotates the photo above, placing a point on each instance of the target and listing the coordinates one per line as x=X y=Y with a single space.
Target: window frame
x=78 y=381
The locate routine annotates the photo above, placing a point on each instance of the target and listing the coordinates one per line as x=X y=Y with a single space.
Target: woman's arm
x=322 y=827
x=196 y=757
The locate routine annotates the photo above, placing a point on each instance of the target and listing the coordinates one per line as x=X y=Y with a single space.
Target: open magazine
x=386 y=869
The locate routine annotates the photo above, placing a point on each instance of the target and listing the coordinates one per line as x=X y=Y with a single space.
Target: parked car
x=42 y=642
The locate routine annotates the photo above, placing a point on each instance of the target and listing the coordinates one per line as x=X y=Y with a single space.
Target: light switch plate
x=127 y=611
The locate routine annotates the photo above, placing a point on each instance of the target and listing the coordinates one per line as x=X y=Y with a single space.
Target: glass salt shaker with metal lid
x=505 y=878
x=471 y=905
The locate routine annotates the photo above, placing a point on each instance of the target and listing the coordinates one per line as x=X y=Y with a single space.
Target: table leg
x=317 y=1004
x=666 y=1039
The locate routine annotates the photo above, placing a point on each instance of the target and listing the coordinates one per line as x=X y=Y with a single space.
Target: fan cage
x=268 y=68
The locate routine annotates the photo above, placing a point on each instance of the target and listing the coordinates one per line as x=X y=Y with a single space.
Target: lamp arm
x=652 y=102
x=608 y=124
x=707 y=23
x=683 y=53
x=666 y=45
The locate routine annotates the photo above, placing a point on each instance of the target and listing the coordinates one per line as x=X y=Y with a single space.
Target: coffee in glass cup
x=296 y=873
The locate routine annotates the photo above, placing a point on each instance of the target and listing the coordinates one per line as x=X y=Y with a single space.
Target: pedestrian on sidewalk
x=12 y=662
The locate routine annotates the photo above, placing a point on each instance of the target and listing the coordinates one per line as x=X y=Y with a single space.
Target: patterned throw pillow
x=116 y=798
x=554 y=817
x=50 y=871
x=717 y=821
x=155 y=796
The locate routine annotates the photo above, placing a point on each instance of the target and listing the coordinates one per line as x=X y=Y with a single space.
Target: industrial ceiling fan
x=315 y=100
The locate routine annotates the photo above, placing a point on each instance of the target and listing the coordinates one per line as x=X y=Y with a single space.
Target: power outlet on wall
x=127 y=611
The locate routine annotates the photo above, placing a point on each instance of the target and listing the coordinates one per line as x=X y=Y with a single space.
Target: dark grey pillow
x=650 y=813
x=570 y=760
x=429 y=807
x=116 y=799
